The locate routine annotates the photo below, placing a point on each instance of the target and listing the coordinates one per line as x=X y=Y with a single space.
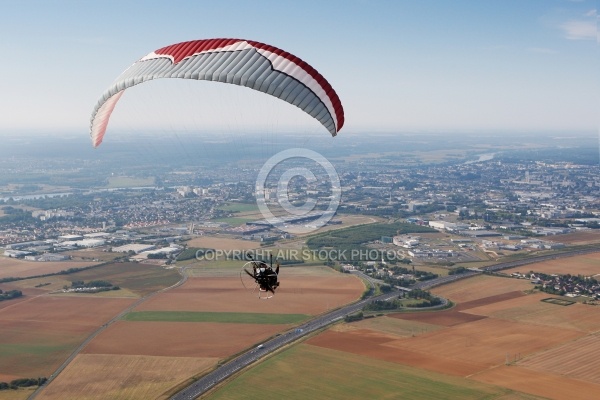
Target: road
x=223 y=372
x=210 y=380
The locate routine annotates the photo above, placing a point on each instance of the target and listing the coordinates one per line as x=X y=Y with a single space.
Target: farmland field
x=91 y=254
x=309 y=372
x=21 y=394
x=240 y=207
x=127 y=181
x=585 y=264
x=228 y=319
x=545 y=384
x=221 y=243
x=585 y=237
x=456 y=354
x=236 y=221
x=139 y=278
x=298 y=294
x=179 y=339
x=459 y=350
x=479 y=287
x=10 y=267
x=196 y=316
x=39 y=330
x=38 y=334
x=394 y=326
x=550 y=349
x=95 y=376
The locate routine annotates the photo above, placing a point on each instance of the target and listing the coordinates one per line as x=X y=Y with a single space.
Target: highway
x=210 y=380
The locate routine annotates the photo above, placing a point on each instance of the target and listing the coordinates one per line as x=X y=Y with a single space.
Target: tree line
x=10 y=294
x=22 y=382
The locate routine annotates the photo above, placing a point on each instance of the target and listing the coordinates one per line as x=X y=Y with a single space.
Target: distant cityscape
x=486 y=197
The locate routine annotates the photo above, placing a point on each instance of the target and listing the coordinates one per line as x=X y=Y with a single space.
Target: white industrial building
x=70 y=237
x=137 y=248
x=84 y=243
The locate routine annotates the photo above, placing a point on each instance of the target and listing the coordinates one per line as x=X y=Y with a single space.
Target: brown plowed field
x=393 y=326
x=37 y=334
x=496 y=299
x=458 y=350
x=28 y=294
x=296 y=295
x=455 y=316
x=585 y=264
x=551 y=386
x=179 y=339
x=88 y=311
x=450 y=317
x=479 y=287
x=530 y=309
x=221 y=243
x=100 y=376
x=10 y=267
x=585 y=237
x=374 y=345
x=579 y=359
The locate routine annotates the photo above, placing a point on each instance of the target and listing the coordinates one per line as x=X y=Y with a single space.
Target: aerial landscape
x=384 y=200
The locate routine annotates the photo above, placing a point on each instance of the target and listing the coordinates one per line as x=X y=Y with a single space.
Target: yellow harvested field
x=221 y=243
x=585 y=264
x=553 y=351
x=10 y=267
x=532 y=310
x=395 y=326
x=39 y=333
x=102 y=376
x=580 y=238
x=179 y=339
x=21 y=394
x=548 y=385
x=579 y=359
x=93 y=253
x=460 y=350
x=479 y=287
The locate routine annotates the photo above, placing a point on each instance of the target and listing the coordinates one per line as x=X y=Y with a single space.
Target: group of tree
x=16 y=215
x=457 y=270
x=351 y=241
x=10 y=294
x=354 y=317
x=22 y=382
x=406 y=281
x=427 y=299
x=383 y=305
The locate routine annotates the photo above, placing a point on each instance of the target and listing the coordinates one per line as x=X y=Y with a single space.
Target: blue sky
x=398 y=65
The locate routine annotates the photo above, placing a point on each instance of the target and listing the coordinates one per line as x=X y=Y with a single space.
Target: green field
x=139 y=278
x=239 y=207
x=310 y=372
x=235 y=221
x=236 y=318
x=37 y=355
x=126 y=181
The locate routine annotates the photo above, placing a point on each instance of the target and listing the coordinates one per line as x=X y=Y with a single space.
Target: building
x=136 y=248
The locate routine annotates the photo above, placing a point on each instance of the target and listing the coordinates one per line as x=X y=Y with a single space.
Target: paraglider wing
x=241 y=62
